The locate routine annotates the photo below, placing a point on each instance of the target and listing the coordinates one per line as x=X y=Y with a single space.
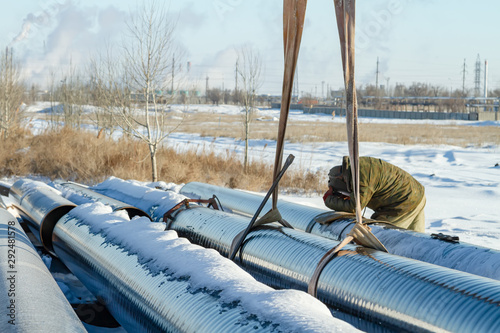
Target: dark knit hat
x=336 y=180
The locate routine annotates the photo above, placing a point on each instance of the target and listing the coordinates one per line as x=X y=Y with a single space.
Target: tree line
x=129 y=88
x=420 y=89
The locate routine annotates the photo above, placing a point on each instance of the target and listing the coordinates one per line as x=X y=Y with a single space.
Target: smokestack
x=485 y=79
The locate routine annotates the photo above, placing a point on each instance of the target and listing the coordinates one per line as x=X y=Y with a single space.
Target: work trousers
x=412 y=220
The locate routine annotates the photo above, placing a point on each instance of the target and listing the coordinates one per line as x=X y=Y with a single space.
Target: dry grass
x=300 y=131
x=69 y=154
x=81 y=156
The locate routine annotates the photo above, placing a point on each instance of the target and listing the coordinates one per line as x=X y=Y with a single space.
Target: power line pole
x=376 y=80
x=223 y=91
x=463 y=79
x=296 y=83
x=173 y=75
x=206 y=91
x=236 y=77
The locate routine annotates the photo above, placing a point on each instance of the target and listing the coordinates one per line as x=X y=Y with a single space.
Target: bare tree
x=133 y=86
x=249 y=70
x=399 y=90
x=108 y=92
x=236 y=96
x=11 y=93
x=54 y=110
x=215 y=95
x=436 y=91
x=73 y=95
x=369 y=90
x=417 y=89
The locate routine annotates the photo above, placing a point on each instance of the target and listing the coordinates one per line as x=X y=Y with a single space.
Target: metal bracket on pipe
x=169 y=217
x=271 y=216
x=446 y=238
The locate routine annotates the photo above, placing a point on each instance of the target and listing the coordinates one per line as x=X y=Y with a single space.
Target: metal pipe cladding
x=144 y=293
x=400 y=293
x=420 y=246
x=41 y=207
x=30 y=297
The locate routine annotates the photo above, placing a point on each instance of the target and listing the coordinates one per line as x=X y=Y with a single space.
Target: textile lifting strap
x=294 y=12
x=345 y=12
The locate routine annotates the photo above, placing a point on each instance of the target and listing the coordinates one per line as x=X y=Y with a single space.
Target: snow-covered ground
x=462 y=184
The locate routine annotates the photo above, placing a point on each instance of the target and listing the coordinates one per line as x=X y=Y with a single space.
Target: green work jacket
x=384 y=188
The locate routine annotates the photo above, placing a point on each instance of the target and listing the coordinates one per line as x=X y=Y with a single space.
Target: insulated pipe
x=420 y=246
x=146 y=294
x=139 y=299
x=399 y=293
x=30 y=298
x=80 y=194
x=41 y=206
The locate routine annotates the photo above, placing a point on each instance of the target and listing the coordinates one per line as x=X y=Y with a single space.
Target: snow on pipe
x=31 y=299
x=399 y=293
x=420 y=246
x=139 y=299
x=80 y=194
x=41 y=206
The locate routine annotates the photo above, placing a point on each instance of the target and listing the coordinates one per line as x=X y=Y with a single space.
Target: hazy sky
x=415 y=40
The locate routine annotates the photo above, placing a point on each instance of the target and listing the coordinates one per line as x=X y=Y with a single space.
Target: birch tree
x=133 y=83
x=11 y=93
x=249 y=71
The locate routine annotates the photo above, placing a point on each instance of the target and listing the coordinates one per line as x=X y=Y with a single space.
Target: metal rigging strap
x=294 y=12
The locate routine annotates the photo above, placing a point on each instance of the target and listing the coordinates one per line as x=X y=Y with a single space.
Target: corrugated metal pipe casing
x=81 y=194
x=400 y=293
x=139 y=299
x=420 y=246
x=30 y=298
x=41 y=206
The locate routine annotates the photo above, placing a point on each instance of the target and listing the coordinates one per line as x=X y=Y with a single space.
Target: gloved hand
x=328 y=193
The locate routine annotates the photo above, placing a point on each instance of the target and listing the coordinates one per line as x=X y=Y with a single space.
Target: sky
x=415 y=41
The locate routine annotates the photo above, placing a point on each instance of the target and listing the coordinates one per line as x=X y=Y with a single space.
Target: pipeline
x=399 y=293
x=41 y=206
x=140 y=286
x=140 y=300
x=153 y=201
x=420 y=246
x=31 y=299
x=80 y=194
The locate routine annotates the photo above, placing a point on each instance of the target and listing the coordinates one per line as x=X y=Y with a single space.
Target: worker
x=392 y=193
